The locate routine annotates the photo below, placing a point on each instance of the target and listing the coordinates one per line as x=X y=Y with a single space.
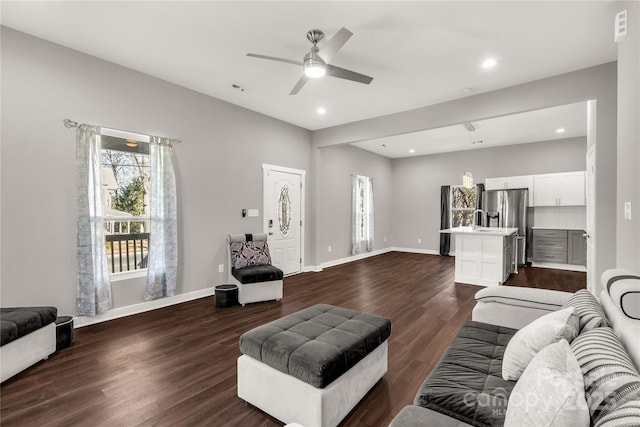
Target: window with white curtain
x=362 y=214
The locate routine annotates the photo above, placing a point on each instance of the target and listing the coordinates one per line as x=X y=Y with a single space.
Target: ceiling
x=522 y=128
x=419 y=52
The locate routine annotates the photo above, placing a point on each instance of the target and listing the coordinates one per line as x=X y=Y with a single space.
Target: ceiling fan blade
x=342 y=73
x=303 y=80
x=275 y=58
x=333 y=46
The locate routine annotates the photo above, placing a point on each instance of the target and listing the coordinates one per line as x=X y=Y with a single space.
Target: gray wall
x=628 y=231
x=333 y=167
x=596 y=83
x=218 y=166
x=417 y=181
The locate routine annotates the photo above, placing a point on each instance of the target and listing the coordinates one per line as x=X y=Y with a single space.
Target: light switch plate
x=220 y=268
x=253 y=212
x=627 y=210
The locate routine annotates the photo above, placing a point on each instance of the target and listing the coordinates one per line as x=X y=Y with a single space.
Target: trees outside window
x=463 y=203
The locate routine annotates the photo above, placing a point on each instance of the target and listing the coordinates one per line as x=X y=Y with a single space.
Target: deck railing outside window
x=127 y=252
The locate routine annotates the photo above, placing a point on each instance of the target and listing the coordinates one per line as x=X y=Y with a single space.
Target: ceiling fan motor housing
x=314 y=36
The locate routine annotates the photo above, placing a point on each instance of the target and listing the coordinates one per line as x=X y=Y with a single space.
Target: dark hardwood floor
x=176 y=366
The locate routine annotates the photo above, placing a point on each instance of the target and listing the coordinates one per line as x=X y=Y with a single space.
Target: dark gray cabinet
x=577 y=250
x=559 y=246
x=550 y=246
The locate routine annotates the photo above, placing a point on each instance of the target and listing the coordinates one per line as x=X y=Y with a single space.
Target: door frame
x=265 y=226
x=590 y=201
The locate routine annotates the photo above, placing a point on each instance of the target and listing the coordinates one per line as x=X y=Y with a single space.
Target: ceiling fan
x=316 y=63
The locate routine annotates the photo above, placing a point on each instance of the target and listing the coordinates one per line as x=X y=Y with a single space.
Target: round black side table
x=226 y=295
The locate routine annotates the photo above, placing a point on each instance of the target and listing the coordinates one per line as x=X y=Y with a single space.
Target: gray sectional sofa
x=600 y=338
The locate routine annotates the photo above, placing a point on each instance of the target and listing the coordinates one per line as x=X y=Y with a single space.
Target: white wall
x=218 y=165
x=417 y=181
x=333 y=167
x=628 y=231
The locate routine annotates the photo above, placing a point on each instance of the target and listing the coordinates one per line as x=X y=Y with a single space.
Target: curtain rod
x=72 y=124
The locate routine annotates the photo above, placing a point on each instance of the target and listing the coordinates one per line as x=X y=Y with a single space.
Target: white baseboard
x=80 y=321
x=418 y=251
x=352 y=258
x=568 y=267
x=332 y=263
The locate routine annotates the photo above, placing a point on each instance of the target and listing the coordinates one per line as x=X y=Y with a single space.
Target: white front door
x=283 y=215
x=591 y=207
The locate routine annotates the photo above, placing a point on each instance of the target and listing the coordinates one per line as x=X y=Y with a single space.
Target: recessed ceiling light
x=489 y=63
x=560 y=130
x=412 y=151
x=321 y=110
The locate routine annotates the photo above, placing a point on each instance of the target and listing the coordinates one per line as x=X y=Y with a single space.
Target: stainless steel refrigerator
x=508 y=208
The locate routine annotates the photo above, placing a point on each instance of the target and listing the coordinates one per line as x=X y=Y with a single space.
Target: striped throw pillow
x=588 y=310
x=610 y=379
x=625 y=415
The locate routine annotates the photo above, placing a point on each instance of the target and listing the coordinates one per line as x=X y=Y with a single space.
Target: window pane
x=128 y=247
x=462 y=197
x=461 y=218
x=125 y=178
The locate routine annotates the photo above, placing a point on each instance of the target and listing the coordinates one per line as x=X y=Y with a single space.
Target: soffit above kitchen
x=549 y=124
x=419 y=53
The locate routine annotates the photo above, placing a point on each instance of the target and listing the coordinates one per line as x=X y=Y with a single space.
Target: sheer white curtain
x=362 y=218
x=163 y=240
x=94 y=288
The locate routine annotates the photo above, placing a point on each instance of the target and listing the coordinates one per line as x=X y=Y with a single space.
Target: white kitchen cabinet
x=511 y=182
x=559 y=189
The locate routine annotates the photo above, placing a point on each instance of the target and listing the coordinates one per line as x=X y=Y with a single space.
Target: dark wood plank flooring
x=176 y=366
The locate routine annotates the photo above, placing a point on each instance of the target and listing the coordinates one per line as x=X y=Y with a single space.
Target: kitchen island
x=484 y=255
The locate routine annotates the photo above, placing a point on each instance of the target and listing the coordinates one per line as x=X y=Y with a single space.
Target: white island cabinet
x=484 y=255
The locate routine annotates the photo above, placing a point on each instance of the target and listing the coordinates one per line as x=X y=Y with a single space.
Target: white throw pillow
x=528 y=341
x=550 y=391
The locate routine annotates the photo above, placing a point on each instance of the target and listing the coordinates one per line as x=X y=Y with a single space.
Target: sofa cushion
x=467 y=383
x=550 y=391
x=417 y=416
x=610 y=379
x=318 y=344
x=528 y=341
x=16 y=322
x=257 y=273
x=625 y=415
x=588 y=309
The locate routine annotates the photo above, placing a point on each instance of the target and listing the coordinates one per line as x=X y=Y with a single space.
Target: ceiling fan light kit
x=314 y=67
x=317 y=62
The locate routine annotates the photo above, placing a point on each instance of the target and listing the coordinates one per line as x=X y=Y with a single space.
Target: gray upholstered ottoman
x=313 y=366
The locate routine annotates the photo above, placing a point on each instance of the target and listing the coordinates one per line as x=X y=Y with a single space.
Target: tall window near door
x=463 y=203
x=362 y=214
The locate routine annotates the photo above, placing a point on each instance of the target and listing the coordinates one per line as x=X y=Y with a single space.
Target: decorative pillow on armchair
x=248 y=254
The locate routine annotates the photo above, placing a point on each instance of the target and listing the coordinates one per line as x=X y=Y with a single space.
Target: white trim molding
x=116 y=313
x=332 y=263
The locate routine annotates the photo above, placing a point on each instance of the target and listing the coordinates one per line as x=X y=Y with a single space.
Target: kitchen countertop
x=487 y=231
x=558 y=228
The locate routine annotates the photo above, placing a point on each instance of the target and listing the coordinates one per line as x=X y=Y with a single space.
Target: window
x=125 y=199
x=463 y=203
x=362 y=215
